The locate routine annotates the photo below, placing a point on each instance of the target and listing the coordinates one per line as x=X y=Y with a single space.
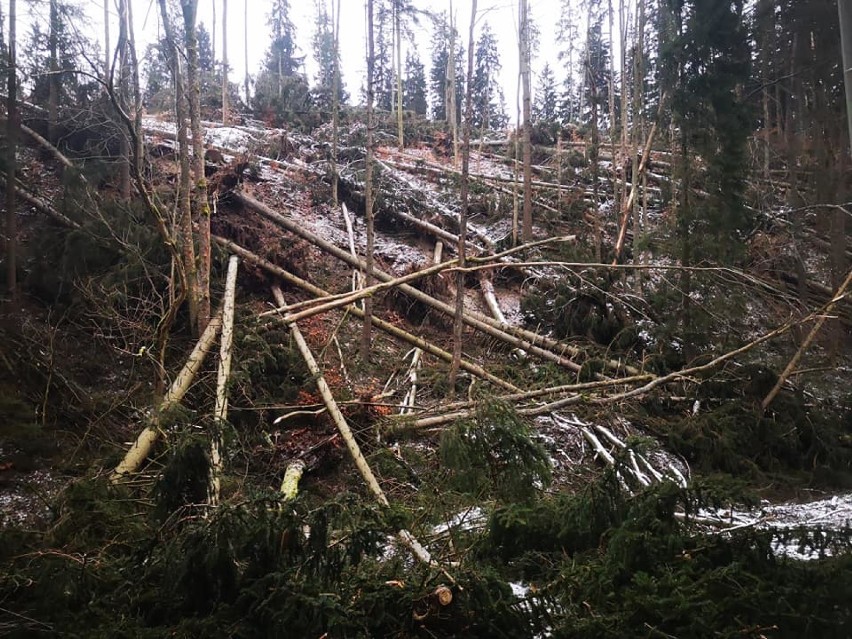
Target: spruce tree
x=323 y=45
x=710 y=109
x=489 y=104
x=441 y=37
x=546 y=105
x=281 y=91
x=414 y=86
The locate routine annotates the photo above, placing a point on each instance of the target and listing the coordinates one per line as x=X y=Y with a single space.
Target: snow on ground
x=830 y=514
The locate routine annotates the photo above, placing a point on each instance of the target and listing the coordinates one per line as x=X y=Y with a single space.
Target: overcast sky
x=500 y=14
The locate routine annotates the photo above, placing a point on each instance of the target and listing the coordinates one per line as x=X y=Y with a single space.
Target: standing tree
x=458 y=323
x=328 y=80
x=525 y=50
x=11 y=159
x=546 y=106
x=489 y=105
x=442 y=35
x=281 y=92
x=200 y=205
x=414 y=87
x=225 y=86
x=366 y=333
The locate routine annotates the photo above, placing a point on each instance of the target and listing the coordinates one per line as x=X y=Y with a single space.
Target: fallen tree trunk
x=40 y=205
x=514 y=336
x=354 y=450
x=583 y=398
x=141 y=448
x=389 y=328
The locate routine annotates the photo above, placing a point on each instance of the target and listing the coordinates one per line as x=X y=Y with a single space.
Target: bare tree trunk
x=366 y=332
x=458 y=323
x=187 y=241
x=220 y=413
x=335 y=100
x=107 y=52
x=397 y=25
x=11 y=160
x=201 y=207
x=616 y=185
x=53 y=80
x=526 y=232
x=625 y=89
x=213 y=30
x=225 y=105
x=123 y=70
x=137 y=91
x=450 y=89
x=245 y=52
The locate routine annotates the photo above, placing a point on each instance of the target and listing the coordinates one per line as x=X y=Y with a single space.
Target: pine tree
x=489 y=104
x=546 y=105
x=414 y=86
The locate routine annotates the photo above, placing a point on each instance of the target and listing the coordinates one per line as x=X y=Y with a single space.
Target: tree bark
x=11 y=160
x=200 y=205
x=335 y=102
x=458 y=321
x=220 y=412
x=225 y=105
x=148 y=437
x=366 y=330
x=526 y=231
x=245 y=53
x=187 y=236
x=53 y=80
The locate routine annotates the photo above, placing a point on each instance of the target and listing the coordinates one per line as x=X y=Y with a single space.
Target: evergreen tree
x=414 y=87
x=281 y=92
x=709 y=108
x=596 y=66
x=158 y=93
x=489 y=105
x=441 y=38
x=546 y=105
x=567 y=37
x=323 y=44
x=383 y=79
x=35 y=63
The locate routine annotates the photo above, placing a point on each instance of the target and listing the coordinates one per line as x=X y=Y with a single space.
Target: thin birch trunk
x=141 y=448
x=220 y=413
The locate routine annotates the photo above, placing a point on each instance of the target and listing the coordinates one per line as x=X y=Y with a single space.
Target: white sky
x=500 y=14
